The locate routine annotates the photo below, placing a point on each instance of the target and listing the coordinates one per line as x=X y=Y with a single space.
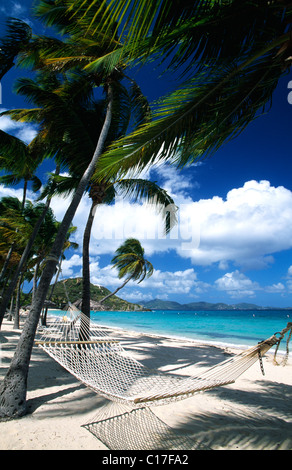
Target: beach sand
x=255 y=413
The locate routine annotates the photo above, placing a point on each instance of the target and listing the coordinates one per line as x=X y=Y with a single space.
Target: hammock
x=86 y=350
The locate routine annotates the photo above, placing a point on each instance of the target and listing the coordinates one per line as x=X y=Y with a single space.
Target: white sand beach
x=253 y=414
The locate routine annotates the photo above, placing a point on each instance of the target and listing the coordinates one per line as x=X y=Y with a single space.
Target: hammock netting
x=98 y=360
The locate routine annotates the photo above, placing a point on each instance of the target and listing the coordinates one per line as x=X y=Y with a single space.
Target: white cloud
x=278 y=288
x=137 y=296
x=237 y=285
x=175 y=182
x=6 y=191
x=160 y=283
x=23 y=131
x=247 y=228
x=69 y=266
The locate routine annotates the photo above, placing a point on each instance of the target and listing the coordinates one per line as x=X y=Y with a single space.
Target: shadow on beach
x=246 y=418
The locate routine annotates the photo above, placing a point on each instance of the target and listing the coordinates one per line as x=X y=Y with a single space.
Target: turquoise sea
x=238 y=328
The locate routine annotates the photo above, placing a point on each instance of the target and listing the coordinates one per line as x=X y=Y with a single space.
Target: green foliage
x=74 y=290
x=130 y=261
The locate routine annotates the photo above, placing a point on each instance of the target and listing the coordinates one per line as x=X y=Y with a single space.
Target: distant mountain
x=158 y=304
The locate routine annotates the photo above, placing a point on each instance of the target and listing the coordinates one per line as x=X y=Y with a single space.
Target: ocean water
x=233 y=328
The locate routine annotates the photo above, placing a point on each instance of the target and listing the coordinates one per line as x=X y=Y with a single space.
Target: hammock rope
x=98 y=360
x=281 y=336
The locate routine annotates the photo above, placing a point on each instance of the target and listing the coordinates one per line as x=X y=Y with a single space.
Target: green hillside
x=74 y=290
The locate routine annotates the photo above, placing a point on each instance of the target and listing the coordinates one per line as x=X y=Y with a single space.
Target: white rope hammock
x=87 y=351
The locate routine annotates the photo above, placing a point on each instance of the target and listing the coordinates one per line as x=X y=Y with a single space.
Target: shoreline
x=197 y=341
x=252 y=414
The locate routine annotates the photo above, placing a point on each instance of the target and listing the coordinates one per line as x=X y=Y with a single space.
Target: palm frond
x=195 y=120
x=59 y=185
x=10 y=180
x=17 y=36
x=11 y=146
x=24 y=115
x=149 y=191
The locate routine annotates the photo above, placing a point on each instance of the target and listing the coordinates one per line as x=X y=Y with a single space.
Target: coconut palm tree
x=13 y=399
x=15 y=216
x=130 y=106
x=20 y=162
x=41 y=246
x=11 y=221
x=131 y=264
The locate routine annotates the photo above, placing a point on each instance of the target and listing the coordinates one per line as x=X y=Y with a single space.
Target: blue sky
x=233 y=241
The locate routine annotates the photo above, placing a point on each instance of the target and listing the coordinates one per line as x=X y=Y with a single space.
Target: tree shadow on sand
x=231 y=428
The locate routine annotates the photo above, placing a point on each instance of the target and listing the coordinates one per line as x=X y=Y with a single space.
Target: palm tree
x=11 y=221
x=16 y=225
x=13 y=399
x=131 y=263
x=81 y=133
x=20 y=161
x=40 y=247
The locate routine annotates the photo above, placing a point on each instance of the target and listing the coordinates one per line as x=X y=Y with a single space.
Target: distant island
x=158 y=304
x=114 y=303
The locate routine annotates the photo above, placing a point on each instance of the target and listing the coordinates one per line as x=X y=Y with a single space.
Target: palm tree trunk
x=17 y=304
x=117 y=290
x=14 y=388
x=35 y=279
x=9 y=317
x=85 y=263
x=45 y=313
x=24 y=194
x=6 y=262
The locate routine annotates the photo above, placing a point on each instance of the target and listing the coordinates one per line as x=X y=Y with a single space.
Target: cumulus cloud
x=278 y=288
x=25 y=132
x=247 y=228
x=244 y=230
x=161 y=283
x=12 y=192
x=237 y=284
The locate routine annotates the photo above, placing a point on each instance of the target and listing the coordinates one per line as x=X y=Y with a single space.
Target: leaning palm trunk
x=6 y=262
x=85 y=268
x=117 y=290
x=97 y=194
x=14 y=387
x=17 y=303
x=44 y=316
